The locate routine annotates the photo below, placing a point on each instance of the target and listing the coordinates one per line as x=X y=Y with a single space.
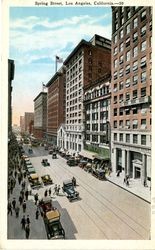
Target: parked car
x=46 y=179
x=69 y=190
x=99 y=173
x=34 y=181
x=45 y=162
x=45 y=205
x=82 y=163
x=72 y=162
x=54 y=155
x=53 y=225
x=88 y=167
x=31 y=171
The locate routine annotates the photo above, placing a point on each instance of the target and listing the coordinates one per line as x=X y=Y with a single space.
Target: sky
x=37 y=35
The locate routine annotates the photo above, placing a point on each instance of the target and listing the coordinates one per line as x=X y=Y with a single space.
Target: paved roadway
x=104 y=211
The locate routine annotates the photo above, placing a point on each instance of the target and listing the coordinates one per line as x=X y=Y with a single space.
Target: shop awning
x=104 y=158
x=88 y=154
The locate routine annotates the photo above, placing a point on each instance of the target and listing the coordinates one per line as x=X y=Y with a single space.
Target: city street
x=103 y=211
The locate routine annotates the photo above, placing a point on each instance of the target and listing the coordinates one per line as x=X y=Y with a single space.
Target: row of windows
x=128 y=138
x=94 y=116
x=130 y=111
x=95 y=127
x=95 y=105
x=74 y=83
x=130 y=26
x=131 y=124
x=75 y=101
x=74 y=121
x=130 y=96
x=74 y=108
x=72 y=62
x=94 y=138
x=98 y=92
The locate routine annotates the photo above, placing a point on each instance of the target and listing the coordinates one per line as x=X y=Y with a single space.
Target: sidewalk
x=135 y=186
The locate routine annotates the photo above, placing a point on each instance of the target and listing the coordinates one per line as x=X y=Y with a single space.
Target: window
x=143 y=77
x=120 y=85
x=143 y=62
x=95 y=127
x=115 y=99
x=143 y=15
x=128 y=14
x=121 y=47
x=115 y=112
x=87 y=126
x=115 y=75
x=135 y=36
x=143 y=30
x=127 y=42
x=103 y=127
x=115 y=124
x=135 y=22
x=135 y=51
x=115 y=50
x=127 y=111
x=128 y=29
x=143 y=123
x=135 y=139
x=95 y=138
x=121 y=59
x=134 y=94
x=135 y=124
x=135 y=80
x=127 y=138
x=143 y=92
x=121 y=98
x=87 y=137
x=127 y=69
x=121 y=34
x=121 y=123
x=127 y=96
x=134 y=110
x=115 y=39
x=116 y=14
x=127 y=84
x=143 y=46
x=121 y=72
x=135 y=65
x=128 y=56
x=115 y=63
x=116 y=26
x=120 y=137
x=121 y=111
x=122 y=20
x=103 y=139
x=115 y=137
x=143 y=139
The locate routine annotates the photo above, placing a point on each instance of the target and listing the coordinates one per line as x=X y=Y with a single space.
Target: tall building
x=29 y=119
x=11 y=70
x=40 y=115
x=22 y=124
x=55 y=104
x=97 y=117
x=131 y=91
x=86 y=63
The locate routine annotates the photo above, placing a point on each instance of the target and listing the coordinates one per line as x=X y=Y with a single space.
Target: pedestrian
x=28 y=220
x=127 y=182
x=26 y=194
x=124 y=181
x=74 y=181
x=36 y=198
x=45 y=194
x=23 y=184
x=20 y=200
x=22 y=193
x=17 y=211
x=49 y=191
x=27 y=231
x=24 y=174
x=15 y=173
x=23 y=222
x=14 y=203
x=9 y=208
x=55 y=189
x=58 y=189
x=37 y=214
x=24 y=206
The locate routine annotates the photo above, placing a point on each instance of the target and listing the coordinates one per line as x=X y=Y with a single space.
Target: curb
x=129 y=191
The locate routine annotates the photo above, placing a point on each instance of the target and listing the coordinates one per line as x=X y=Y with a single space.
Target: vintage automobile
x=99 y=173
x=30 y=151
x=46 y=179
x=69 y=190
x=34 y=181
x=50 y=152
x=88 y=167
x=82 y=163
x=31 y=171
x=72 y=162
x=45 y=162
x=28 y=166
x=54 y=155
x=45 y=205
x=53 y=225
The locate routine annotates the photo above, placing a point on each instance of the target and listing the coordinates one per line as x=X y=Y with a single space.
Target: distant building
x=40 y=115
x=55 y=104
x=29 y=118
x=87 y=62
x=97 y=117
x=131 y=91
x=22 y=124
x=11 y=72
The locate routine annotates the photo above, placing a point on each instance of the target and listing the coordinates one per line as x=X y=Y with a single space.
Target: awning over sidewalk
x=104 y=158
x=88 y=154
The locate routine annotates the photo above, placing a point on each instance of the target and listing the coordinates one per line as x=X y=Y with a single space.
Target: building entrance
x=137 y=173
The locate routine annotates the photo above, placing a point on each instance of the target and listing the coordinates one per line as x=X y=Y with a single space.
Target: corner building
x=86 y=63
x=131 y=91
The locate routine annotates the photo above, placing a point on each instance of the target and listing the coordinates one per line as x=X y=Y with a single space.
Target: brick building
x=55 y=104
x=40 y=115
x=86 y=63
x=131 y=91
